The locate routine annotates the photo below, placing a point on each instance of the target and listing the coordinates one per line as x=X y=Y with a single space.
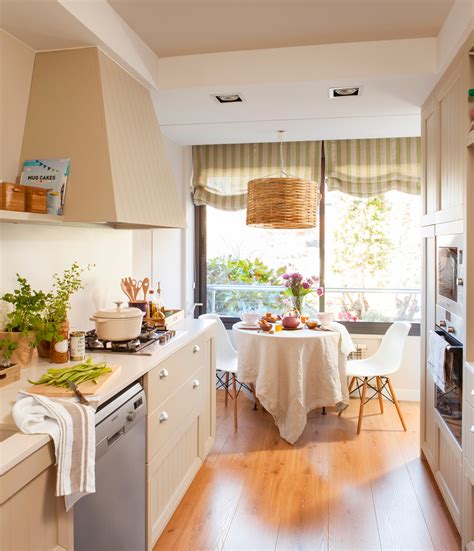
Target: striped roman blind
x=221 y=172
x=370 y=167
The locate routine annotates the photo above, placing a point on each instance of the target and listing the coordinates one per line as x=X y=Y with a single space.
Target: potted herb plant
x=9 y=371
x=53 y=327
x=27 y=307
x=7 y=347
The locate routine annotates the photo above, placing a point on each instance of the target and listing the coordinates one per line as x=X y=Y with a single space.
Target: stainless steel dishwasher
x=113 y=519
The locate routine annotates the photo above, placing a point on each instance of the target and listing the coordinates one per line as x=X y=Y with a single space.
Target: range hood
x=85 y=107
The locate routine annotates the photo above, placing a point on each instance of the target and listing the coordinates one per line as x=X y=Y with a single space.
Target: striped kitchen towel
x=72 y=427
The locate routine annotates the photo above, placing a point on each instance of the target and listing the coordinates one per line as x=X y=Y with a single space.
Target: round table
x=294 y=372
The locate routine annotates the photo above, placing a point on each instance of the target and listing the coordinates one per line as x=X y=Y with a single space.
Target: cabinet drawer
x=468 y=384
x=469 y=433
x=166 y=378
x=172 y=413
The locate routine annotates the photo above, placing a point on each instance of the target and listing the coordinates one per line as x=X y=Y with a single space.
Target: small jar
x=60 y=349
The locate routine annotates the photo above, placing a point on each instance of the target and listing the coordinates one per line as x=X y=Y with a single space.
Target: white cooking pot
x=118 y=324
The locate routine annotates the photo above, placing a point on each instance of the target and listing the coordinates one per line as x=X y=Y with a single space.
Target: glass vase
x=298 y=304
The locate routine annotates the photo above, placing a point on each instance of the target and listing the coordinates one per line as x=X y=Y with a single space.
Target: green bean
x=80 y=373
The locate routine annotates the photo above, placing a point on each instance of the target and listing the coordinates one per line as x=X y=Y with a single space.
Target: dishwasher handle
x=112 y=439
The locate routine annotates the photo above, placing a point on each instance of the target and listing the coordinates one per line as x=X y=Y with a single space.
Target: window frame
x=200 y=289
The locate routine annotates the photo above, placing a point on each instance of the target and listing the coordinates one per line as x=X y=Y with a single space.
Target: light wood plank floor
x=331 y=490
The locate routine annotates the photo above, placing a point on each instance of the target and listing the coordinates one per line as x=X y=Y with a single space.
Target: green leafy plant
x=28 y=306
x=58 y=303
x=7 y=346
x=231 y=270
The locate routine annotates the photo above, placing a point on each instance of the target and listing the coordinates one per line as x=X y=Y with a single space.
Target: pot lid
x=119 y=312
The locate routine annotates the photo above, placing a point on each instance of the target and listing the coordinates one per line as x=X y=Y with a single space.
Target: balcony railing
x=366 y=304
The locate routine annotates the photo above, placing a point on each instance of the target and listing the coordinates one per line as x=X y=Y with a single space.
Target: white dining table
x=294 y=372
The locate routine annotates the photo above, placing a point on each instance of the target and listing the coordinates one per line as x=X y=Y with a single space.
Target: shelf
x=15 y=217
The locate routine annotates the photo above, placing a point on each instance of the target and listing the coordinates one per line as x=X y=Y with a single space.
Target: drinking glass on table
x=278 y=327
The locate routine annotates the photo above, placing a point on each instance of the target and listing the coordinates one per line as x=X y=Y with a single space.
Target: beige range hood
x=84 y=106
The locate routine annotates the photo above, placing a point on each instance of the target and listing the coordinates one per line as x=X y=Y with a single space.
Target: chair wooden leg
x=226 y=388
x=379 y=391
x=234 y=396
x=362 y=405
x=395 y=401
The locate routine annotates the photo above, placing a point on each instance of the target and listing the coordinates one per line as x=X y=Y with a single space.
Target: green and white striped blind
x=370 y=167
x=221 y=172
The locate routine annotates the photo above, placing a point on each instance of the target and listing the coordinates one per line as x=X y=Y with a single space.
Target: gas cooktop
x=146 y=344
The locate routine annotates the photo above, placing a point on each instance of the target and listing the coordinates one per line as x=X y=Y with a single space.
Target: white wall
x=167 y=255
x=36 y=252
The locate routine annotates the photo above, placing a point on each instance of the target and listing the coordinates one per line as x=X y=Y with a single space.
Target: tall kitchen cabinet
x=448 y=209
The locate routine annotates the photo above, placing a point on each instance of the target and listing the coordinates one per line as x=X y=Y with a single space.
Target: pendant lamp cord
x=283 y=174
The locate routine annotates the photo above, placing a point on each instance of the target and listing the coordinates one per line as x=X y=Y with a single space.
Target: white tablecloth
x=294 y=372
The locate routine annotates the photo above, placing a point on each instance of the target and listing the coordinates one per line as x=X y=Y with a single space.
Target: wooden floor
x=331 y=490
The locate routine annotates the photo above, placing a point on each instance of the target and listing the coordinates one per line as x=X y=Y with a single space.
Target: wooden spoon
x=126 y=288
x=145 y=287
x=133 y=288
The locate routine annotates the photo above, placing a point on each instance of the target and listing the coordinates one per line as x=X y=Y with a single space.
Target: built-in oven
x=450 y=273
x=448 y=388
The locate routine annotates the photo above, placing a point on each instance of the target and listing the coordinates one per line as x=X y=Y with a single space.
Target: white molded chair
x=226 y=359
x=386 y=361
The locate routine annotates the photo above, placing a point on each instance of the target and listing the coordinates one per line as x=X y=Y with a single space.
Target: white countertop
x=19 y=446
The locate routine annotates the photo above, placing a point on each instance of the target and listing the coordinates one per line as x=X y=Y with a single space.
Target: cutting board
x=87 y=388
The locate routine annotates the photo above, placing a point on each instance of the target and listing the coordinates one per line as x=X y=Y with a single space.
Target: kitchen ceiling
x=183 y=27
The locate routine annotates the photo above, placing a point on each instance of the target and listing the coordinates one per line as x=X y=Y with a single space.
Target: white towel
x=71 y=425
x=437 y=359
x=347 y=346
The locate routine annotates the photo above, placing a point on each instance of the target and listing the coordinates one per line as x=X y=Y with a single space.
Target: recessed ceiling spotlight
x=228 y=98
x=344 y=92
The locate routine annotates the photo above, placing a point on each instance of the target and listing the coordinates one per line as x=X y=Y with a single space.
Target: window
x=373 y=257
x=245 y=264
x=366 y=250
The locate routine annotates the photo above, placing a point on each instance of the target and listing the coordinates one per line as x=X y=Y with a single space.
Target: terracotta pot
x=44 y=349
x=24 y=353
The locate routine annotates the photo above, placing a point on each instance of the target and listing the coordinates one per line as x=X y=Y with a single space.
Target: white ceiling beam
x=116 y=38
x=321 y=62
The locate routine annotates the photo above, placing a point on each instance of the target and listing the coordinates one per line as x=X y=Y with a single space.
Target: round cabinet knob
x=131 y=415
x=451 y=329
x=164 y=373
x=196 y=383
x=460 y=281
x=163 y=417
x=196 y=349
x=442 y=323
x=472 y=428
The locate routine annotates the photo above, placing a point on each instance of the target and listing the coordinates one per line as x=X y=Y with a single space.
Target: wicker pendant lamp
x=283 y=202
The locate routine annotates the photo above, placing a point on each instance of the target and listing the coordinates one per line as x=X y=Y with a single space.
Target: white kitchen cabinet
x=448 y=204
x=180 y=428
x=430 y=168
x=31 y=516
x=444 y=130
x=428 y=430
x=448 y=470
